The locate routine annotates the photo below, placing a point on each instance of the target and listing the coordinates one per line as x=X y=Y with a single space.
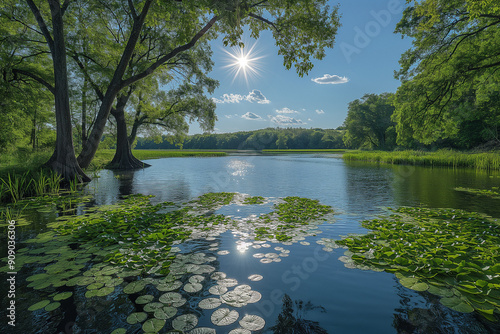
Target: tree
x=302 y=30
x=368 y=122
x=450 y=76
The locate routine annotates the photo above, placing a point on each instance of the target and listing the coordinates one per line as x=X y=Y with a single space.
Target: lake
x=321 y=292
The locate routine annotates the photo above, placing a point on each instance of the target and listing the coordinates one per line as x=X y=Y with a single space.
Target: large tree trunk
x=63 y=161
x=123 y=159
x=84 y=111
x=116 y=84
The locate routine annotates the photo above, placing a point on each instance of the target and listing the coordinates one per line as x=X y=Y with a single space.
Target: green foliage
x=264 y=139
x=447 y=158
x=451 y=253
x=450 y=76
x=369 y=124
x=212 y=200
x=254 y=200
x=494 y=192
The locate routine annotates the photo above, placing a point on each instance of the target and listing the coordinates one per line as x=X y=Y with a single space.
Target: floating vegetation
x=254 y=200
x=494 y=192
x=133 y=249
x=224 y=317
x=450 y=253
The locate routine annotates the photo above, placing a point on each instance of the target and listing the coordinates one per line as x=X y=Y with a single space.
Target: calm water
x=342 y=300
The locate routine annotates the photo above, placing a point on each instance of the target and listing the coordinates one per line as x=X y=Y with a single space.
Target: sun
x=243 y=62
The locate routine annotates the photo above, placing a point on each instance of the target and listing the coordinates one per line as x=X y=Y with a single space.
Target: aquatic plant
x=446 y=158
x=210 y=201
x=254 y=200
x=494 y=192
x=451 y=253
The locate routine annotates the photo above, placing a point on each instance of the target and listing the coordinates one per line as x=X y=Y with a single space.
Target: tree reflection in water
x=291 y=319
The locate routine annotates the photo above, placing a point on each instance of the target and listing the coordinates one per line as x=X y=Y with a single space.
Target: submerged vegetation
x=450 y=253
x=445 y=158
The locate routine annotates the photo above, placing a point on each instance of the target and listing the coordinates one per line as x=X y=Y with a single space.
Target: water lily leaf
x=144 y=299
x=52 y=306
x=152 y=307
x=228 y=282
x=185 y=322
x=209 y=303
x=218 y=290
x=457 y=304
x=440 y=291
x=134 y=287
x=104 y=291
x=196 y=279
x=63 y=295
x=193 y=287
x=218 y=275
x=203 y=330
x=136 y=317
x=169 y=286
x=37 y=277
x=95 y=286
x=165 y=312
x=153 y=325
x=252 y=322
x=240 y=331
x=224 y=316
x=255 y=277
x=414 y=284
x=119 y=331
x=170 y=297
x=39 y=305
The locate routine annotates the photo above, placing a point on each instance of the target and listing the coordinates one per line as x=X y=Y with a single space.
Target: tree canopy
x=450 y=76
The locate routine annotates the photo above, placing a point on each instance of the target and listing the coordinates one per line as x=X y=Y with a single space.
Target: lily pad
x=136 y=317
x=63 y=296
x=152 y=307
x=240 y=331
x=203 y=330
x=252 y=322
x=169 y=286
x=209 y=303
x=144 y=299
x=134 y=287
x=52 y=306
x=153 y=325
x=414 y=284
x=193 y=287
x=218 y=290
x=255 y=277
x=170 y=297
x=185 y=322
x=457 y=304
x=224 y=317
x=165 y=312
x=39 y=305
x=119 y=331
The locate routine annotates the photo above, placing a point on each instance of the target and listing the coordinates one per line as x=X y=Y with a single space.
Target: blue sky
x=363 y=60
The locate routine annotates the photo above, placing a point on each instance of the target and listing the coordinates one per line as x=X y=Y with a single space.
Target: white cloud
x=282 y=120
x=286 y=111
x=309 y=120
x=251 y=116
x=320 y=111
x=228 y=116
x=257 y=96
x=330 y=79
x=253 y=96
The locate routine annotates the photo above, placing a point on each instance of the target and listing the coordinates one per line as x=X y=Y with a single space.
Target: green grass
x=335 y=150
x=104 y=156
x=445 y=158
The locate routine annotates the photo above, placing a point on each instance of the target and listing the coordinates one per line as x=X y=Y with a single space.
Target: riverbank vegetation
x=444 y=158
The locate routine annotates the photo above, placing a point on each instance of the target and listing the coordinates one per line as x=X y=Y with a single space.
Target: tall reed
x=447 y=158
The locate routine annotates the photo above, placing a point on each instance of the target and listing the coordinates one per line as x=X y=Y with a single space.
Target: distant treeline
x=269 y=138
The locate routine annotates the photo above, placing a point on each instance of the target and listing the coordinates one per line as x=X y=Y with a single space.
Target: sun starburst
x=243 y=62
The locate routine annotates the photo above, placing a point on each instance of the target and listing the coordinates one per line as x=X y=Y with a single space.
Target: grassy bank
x=305 y=151
x=103 y=157
x=445 y=158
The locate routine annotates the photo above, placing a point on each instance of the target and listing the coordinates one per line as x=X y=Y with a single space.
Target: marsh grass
x=18 y=186
x=445 y=158
x=305 y=151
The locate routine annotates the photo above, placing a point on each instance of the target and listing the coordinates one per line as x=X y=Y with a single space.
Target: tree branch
x=36 y=78
x=41 y=24
x=170 y=55
x=132 y=10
